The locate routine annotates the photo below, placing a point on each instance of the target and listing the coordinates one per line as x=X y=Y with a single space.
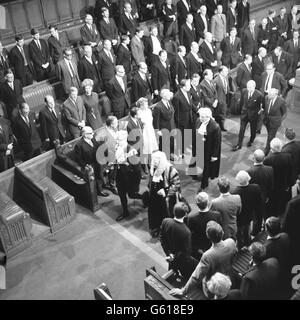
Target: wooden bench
x=68 y=174
x=15 y=227
x=45 y=200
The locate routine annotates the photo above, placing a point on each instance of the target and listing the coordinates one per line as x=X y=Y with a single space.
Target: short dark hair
x=290 y=134
x=19 y=37
x=124 y=37
x=52 y=26
x=110 y=120
x=258 y=251
x=205 y=72
x=66 y=49
x=247 y=56
x=139 y=29
x=161 y=52
x=180 y=210
x=214 y=231
x=34 y=31
x=183 y=82
x=133 y=111
x=223 y=184
x=273 y=226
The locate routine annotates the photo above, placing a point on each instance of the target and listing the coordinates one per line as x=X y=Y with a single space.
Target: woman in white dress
x=149 y=138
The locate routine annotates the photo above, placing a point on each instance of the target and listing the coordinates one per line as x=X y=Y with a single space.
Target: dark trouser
x=30 y=153
x=243 y=235
x=119 y=113
x=271 y=135
x=253 y=125
x=185 y=264
x=26 y=78
x=279 y=200
x=171 y=144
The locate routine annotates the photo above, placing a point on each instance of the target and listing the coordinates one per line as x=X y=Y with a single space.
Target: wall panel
x=19 y=17
x=34 y=14
x=64 y=10
x=50 y=11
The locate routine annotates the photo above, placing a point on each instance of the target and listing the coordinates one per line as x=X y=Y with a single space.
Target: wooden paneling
x=64 y=10
x=19 y=17
x=50 y=11
x=34 y=13
x=76 y=7
x=9 y=31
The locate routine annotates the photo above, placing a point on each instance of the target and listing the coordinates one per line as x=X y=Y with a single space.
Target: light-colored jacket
x=218 y=26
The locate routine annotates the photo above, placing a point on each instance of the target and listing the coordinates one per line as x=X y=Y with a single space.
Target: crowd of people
x=155 y=96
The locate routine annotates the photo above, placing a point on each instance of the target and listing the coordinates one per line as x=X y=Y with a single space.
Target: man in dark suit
x=118 y=94
x=249 y=39
x=88 y=69
x=183 y=9
x=273 y=79
x=178 y=68
x=211 y=7
x=153 y=46
x=243 y=15
x=258 y=66
x=251 y=106
x=175 y=238
x=244 y=72
x=25 y=130
x=283 y=62
x=124 y=56
x=261 y=280
x=55 y=46
x=273 y=30
x=128 y=22
x=252 y=207
x=292 y=147
x=196 y=93
x=187 y=32
x=196 y=221
x=141 y=85
x=231 y=49
x=11 y=93
x=291 y=224
x=6 y=145
x=292 y=47
x=263 y=176
x=52 y=127
x=98 y=12
x=4 y=63
x=208 y=53
x=161 y=76
x=283 y=26
x=147 y=9
x=209 y=92
x=20 y=62
x=107 y=62
x=85 y=152
x=283 y=177
x=90 y=35
x=275 y=111
x=107 y=27
x=201 y=23
x=40 y=57
x=163 y=118
x=193 y=61
x=231 y=16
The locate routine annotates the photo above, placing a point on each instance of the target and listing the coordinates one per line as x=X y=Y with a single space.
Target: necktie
x=168 y=106
x=24 y=57
x=253 y=36
x=296 y=43
x=225 y=85
x=267 y=82
x=270 y=106
x=72 y=69
x=232 y=41
x=130 y=16
x=27 y=120
x=12 y=86
x=1 y=130
x=53 y=112
x=2 y=60
x=249 y=96
x=39 y=45
x=111 y=57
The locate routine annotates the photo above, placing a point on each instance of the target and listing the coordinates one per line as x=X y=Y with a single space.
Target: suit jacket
x=220 y=88
x=283 y=171
x=84 y=153
x=27 y=135
x=211 y=7
x=284 y=65
x=55 y=49
x=252 y=203
x=137 y=50
x=293 y=148
x=229 y=206
x=283 y=25
x=263 y=176
x=64 y=75
x=37 y=56
x=260 y=282
x=148 y=45
x=99 y=5
x=208 y=56
x=183 y=110
x=88 y=36
x=17 y=62
x=182 y=12
x=135 y=133
x=243 y=13
x=230 y=54
x=290 y=48
x=279 y=248
x=11 y=98
x=140 y=88
x=263 y=34
x=163 y=118
x=209 y=93
x=273 y=32
x=200 y=26
x=218 y=26
x=86 y=70
x=243 y=76
x=4 y=66
x=51 y=127
x=231 y=20
x=127 y=26
x=187 y=36
x=161 y=77
x=258 y=69
x=108 y=30
x=196 y=94
x=193 y=65
x=120 y=100
x=6 y=138
x=124 y=58
x=178 y=71
x=249 y=43
x=106 y=66
x=250 y=108
x=106 y=138
x=276 y=113
x=74 y=113
x=278 y=82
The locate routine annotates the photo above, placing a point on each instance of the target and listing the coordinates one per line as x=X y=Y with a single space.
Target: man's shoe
x=249 y=144
x=135 y=195
x=257 y=131
x=223 y=129
x=122 y=217
x=236 y=148
x=103 y=194
x=114 y=191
